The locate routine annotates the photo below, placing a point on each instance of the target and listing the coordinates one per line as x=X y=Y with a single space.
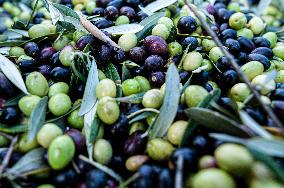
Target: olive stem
x=129 y=180
x=6 y=136
x=143 y=110
x=179 y=172
x=234 y=64
x=96 y=32
x=8 y=155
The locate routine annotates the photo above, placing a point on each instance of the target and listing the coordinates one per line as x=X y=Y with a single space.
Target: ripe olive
x=47 y=133
x=37 y=84
x=155 y=45
x=108 y=110
x=59 y=104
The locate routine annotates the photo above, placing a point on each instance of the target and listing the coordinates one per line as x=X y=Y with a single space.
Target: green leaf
x=51 y=36
x=13 y=129
x=158 y=5
x=32 y=14
x=31 y=161
x=227 y=138
x=111 y=73
x=124 y=29
x=141 y=116
x=216 y=121
x=133 y=99
x=62 y=116
x=66 y=11
x=19 y=25
x=37 y=118
x=170 y=104
x=95 y=127
x=11 y=43
x=125 y=73
x=89 y=97
x=148 y=24
x=10 y=70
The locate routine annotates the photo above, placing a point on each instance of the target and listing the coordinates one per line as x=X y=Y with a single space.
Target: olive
x=143 y=83
x=167 y=22
x=215 y=53
x=176 y=132
x=61 y=152
x=128 y=11
x=106 y=87
x=244 y=32
x=7 y=89
x=16 y=51
x=189 y=157
x=246 y=44
x=152 y=99
x=59 y=87
x=243 y=57
x=228 y=104
x=66 y=177
x=252 y=69
x=60 y=43
x=137 y=54
x=223 y=15
x=3 y=143
x=256 y=25
x=46 y=54
x=66 y=56
x=278 y=51
x=54 y=61
x=161 y=30
x=280 y=77
x=154 y=63
x=96 y=179
x=256 y=114
x=239 y=92
x=187 y=25
x=45 y=70
x=131 y=86
x=207 y=161
x=98 y=11
x=119 y=56
x=155 y=45
x=133 y=163
x=25 y=144
x=102 y=151
x=261 y=42
x=159 y=149
x=229 y=78
x=84 y=41
x=78 y=139
x=190 y=42
x=108 y=110
x=103 y=23
x=46 y=186
x=60 y=74
x=75 y=121
x=272 y=38
x=120 y=128
x=157 y=79
x=127 y=41
x=228 y=34
x=135 y=144
x=265 y=86
x=238 y=21
x=278 y=108
x=194 y=94
x=47 y=133
x=10 y=115
x=31 y=49
x=28 y=103
x=233 y=46
x=111 y=13
x=208 y=44
x=192 y=61
x=38 y=30
x=27 y=64
x=59 y=104
x=37 y=84
x=260 y=58
x=105 y=52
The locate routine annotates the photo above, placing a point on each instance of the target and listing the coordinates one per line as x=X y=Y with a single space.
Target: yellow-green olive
x=161 y=30
x=152 y=99
x=47 y=133
x=76 y=121
x=192 y=61
x=102 y=151
x=106 y=87
x=194 y=94
x=127 y=41
x=176 y=132
x=280 y=77
x=245 y=32
x=60 y=43
x=38 y=30
x=279 y=51
x=215 y=53
x=16 y=51
x=131 y=86
x=167 y=22
x=143 y=83
x=271 y=183
x=59 y=104
x=239 y=92
x=260 y=171
x=256 y=25
x=24 y=144
x=265 y=87
x=37 y=84
x=133 y=163
x=272 y=38
x=238 y=21
x=159 y=149
x=136 y=127
x=108 y=110
x=66 y=56
x=59 y=87
x=28 y=103
x=252 y=69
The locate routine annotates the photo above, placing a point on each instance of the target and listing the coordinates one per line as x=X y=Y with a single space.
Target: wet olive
x=229 y=78
x=228 y=34
x=261 y=42
x=135 y=144
x=59 y=104
x=152 y=99
x=176 y=132
x=31 y=49
x=187 y=24
x=239 y=92
x=103 y=23
x=157 y=79
x=127 y=41
x=127 y=11
x=155 y=45
x=215 y=53
x=106 y=87
x=10 y=115
x=159 y=149
x=260 y=58
x=120 y=128
x=111 y=13
x=46 y=54
x=190 y=42
x=47 y=133
x=194 y=94
x=27 y=64
x=60 y=74
x=122 y=20
x=102 y=151
x=83 y=41
x=137 y=54
x=105 y=52
x=246 y=44
x=37 y=84
x=233 y=46
x=192 y=61
x=161 y=30
x=108 y=110
x=154 y=63
x=28 y=103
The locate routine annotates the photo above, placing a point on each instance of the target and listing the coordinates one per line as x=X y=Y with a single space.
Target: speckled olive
x=152 y=99
x=194 y=94
x=154 y=63
x=102 y=151
x=215 y=53
x=127 y=41
x=108 y=110
x=130 y=86
x=76 y=121
x=25 y=144
x=37 y=84
x=239 y=92
x=234 y=158
x=176 y=132
x=161 y=30
x=155 y=45
x=252 y=69
x=143 y=83
x=192 y=61
x=106 y=87
x=159 y=149
x=238 y=21
x=59 y=87
x=38 y=30
x=174 y=48
x=60 y=152
x=59 y=104
x=28 y=103
x=47 y=133
x=137 y=54
x=186 y=24
x=157 y=79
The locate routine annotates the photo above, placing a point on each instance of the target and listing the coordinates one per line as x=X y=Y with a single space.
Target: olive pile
x=122 y=143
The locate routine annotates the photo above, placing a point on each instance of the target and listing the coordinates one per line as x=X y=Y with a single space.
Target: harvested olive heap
x=141 y=93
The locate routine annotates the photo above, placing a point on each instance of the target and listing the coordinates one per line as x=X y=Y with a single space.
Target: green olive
x=59 y=87
x=265 y=87
x=38 y=30
x=234 y=6
x=208 y=44
x=215 y=53
x=271 y=183
x=90 y=7
x=102 y=151
x=280 y=77
x=213 y=178
x=152 y=98
x=47 y=133
x=133 y=163
x=28 y=103
x=206 y=161
x=60 y=43
x=61 y=152
x=106 y=87
x=245 y=32
x=167 y=22
x=101 y=75
x=238 y=21
x=279 y=52
x=234 y=158
x=239 y=92
x=37 y=84
x=261 y=171
x=127 y=41
x=16 y=51
x=194 y=94
x=161 y=30
x=59 y=104
x=159 y=149
x=108 y=110
x=143 y=83
x=122 y=20
x=3 y=141
x=46 y=186
x=192 y=61
x=76 y=121
x=150 y=119
x=174 y=48
x=77 y=35
x=256 y=25
x=137 y=126
x=66 y=56
x=272 y=38
x=24 y=144
x=131 y=86
x=176 y=132
x=208 y=64
x=252 y=69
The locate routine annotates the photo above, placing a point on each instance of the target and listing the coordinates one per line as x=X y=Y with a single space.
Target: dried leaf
x=124 y=29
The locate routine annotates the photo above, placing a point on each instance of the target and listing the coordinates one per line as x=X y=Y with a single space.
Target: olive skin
x=256 y=25
x=133 y=163
x=38 y=30
x=194 y=94
x=239 y=92
x=278 y=51
x=237 y=21
x=61 y=152
x=76 y=121
x=246 y=44
x=192 y=42
x=260 y=58
x=155 y=45
x=134 y=144
x=143 y=83
x=228 y=34
x=152 y=99
x=154 y=63
x=37 y=84
x=207 y=161
x=230 y=78
x=24 y=144
x=187 y=25
x=59 y=87
x=161 y=30
x=47 y=133
x=233 y=46
x=111 y=13
x=265 y=87
x=137 y=54
x=108 y=110
x=252 y=69
x=79 y=139
x=102 y=151
x=10 y=115
x=59 y=104
x=267 y=52
x=261 y=42
x=6 y=87
x=192 y=61
x=60 y=74
x=106 y=87
x=83 y=41
x=215 y=53
x=96 y=179
x=176 y=132
x=157 y=79
x=159 y=149
x=130 y=86
x=127 y=41
x=28 y=103
x=272 y=38
x=31 y=49
x=103 y=23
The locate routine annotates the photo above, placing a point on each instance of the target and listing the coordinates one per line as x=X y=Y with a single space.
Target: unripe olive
x=143 y=83
x=131 y=86
x=24 y=144
x=46 y=186
x=61 y=152
x=208 y=44
x=213 y=178
x=47 y=133
x=215 y=53
x=174 y=48
x=59 y=87
x=167 y=22
x=60 y=43
x=28 y=103
x=279 y=51
x=208 y=64
x=280 y=77
x=252 y=69
x=152 y=99
x=122 y=20
x=265 y=87
x=66 y=56
x=77 y=35
x=265 y=184
x=207 y=161
x=261 y=171
x=3 y=141
x=127 y=41
x=239 y=92
x=16 y=51
x=238 y=21
x=108 y=110
x=76 y=121
x=256 y=25
x=245 y=32
x=194 y=94
x=137 y=126
x=161 y=30
x=38 y=30
x=192 y=61
x=106 y=87
x=90 y=5
x=101 y=75
x=37 y=84
x=272 y=38
x=234 y=158
x=234 y=6
x=59 y=104
x=102 y=151
x=176 y=132
x=159 y=149
x=133 y=163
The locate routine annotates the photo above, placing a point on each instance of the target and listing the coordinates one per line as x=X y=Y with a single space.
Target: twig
x=8 y=155
x=6 y=135
x=96 y=32
x=129 y=180
x=234 y=64
x=179 y=172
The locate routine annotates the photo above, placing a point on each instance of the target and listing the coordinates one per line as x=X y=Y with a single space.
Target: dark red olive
x=60 y=74
x=103 y=23
x=186 y=25
x=31 y=49
x=261 y=58
x=135 y=144
x=27 y=65
x=229 y=34
x=98 y=11
x=137 y=54
x=84 y=41
x=78 y=139
x=155 y=45
x=154 y=63
x=128 y=11
x=267 y=52
x=7 y=89
x=157 y=79
x=45 y=70
x=46 y=54
x=191 y=41
x=261 y=42
x=233 y=46
x=96 y=179
x=10 y=115
x=111 y=13
x=246 y=44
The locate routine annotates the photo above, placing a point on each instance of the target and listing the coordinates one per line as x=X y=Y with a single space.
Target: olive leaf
x=13 y=129
x=170 y=104
x=141 y=116
x=40 y=39
x=133 y=99
x=89 y=97
x=125 y=73
x=37 y=118
x=95 y=127
x=10 y=70
x=66 y=11
x=148 y=24
x=31 y=161
x=111 y=73
x=227 y=138
x=124 y=29
x=11 y=43
x=16 y=34
x=158 y=5
x=262 y=5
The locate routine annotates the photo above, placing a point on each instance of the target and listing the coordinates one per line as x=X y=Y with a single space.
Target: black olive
x=103 y=23
x=261 y=42
x=10 y=115
x=111 y=13
x=228 y=34
x=246 y=44
x=128 y=11
x=78 y=139
x=98 y=11
x=181 y=113
x=186 y=25
x=223 y=15
x=280 y=85
x=233 y=46
x=230 y=78
x=55 y=61
x=27 y=65
x=96 y=179
x=105 y=52
x=135 y=144
x=200 y=78
x=117 y=163
x=119 y=56
x=278 y=94
x=154 y=63
x=45 y=70
x=46 y=54
x=211 y=10
x=189 y=157
x=224 y=26
x=120 y=128
x=184 y=76
x=242 y=57
x=165 y=179
x=218 y=6
x=64 y=178
x=228 y=104
x=256 y=114
x=157 y=79
x=133 y=3
x=116 y=3
x=261 y=58
x=60 y=74
x=137 y=54
x=267 y=52
x=191 y=41
x=7 y=89
x=207 y=86
x=84 y=41
x=223 y=64
x=31 y=49
x=200 y=144
x=278 y=108
x=141 y=16
x=155 y=45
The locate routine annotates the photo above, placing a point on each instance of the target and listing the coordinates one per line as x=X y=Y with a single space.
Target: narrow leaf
x=159 y=4
x=262 y=5
x=111 y=73
x=141 y=116
x=227 y=138
x=13 y=129
x=125 y=73
x=66 y=11
x=89 y=97
x=37 y=118
x=124 y=29
x=95 y=127
x=12 y=73
x=133 y=99
x=170 y=104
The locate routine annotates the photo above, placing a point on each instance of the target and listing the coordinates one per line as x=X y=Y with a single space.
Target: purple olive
x=135 y=144
x=45 y=70
x=157 y=79
x=154 y=63
x=128 y=11
x=137 y=54
x=78 y=139
x=84 y=41
x=155 y=45
x=46 y=54
x=7 y=89
x=31 y=49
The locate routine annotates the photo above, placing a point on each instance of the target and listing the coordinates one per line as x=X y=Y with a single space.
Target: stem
x=6 y=136
x=179 y=173
x=143 y=110
x=129 y=180
x=234 y=64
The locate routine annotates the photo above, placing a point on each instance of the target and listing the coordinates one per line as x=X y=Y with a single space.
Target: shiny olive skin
x=59 y=87
x=152 y=99
x=102 y=151
x=47 y=133
x=194 y=94
x=159 y=149
x=130 y=86
x=108 y=110
x=37 y=84
x=76 y=121
x=28 y=103
x=59 y=104
x=106 y=87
